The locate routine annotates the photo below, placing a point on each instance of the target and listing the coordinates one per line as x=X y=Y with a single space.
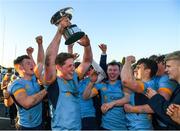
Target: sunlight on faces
x=173 y=69
x=26 y=67
x=135 y=72
x=113 y=72
x=66 y=71
x=141 y=71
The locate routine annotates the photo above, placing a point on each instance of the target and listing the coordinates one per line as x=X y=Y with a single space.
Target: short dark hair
x=160 y=59
x=19 y=59
x=149 y=64
x=153 y=57
x=113 y=63
x=62 y=57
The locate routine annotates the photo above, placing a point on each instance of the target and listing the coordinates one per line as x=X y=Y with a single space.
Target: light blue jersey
x=86 y=106
x=150 y=84
x=140 y=121
x=28 y=117
x=114 y=119
x=164 y=83
x=157 y=83
x=66 y=116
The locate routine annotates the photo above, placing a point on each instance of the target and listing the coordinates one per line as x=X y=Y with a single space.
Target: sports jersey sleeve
x=144 y=85
x=166 y=85
x=16 y=88
x=97 y=87
x=94 y=90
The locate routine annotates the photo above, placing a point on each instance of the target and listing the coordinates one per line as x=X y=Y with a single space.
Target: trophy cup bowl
x=71 y=33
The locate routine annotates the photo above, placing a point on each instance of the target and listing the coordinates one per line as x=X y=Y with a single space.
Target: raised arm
x=103 y=59
x=128 y=78
x=29 y=52
x=40 y=60
x=87 y=56
x=52 y=51
x=40 y=56
x=70 y=50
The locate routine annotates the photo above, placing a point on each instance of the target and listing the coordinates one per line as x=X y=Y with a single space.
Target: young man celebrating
x=59 y=69
x=158 y=103
x=26 y=92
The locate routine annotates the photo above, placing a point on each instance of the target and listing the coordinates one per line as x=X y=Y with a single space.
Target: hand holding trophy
x=71 y=33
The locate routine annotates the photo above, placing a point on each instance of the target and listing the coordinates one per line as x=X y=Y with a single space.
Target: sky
x=128 y=27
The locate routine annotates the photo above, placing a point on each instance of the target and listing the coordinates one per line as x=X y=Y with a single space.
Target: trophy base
x=76 y=36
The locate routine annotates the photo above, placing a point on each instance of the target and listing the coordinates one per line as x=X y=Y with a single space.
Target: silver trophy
x=71 y=33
